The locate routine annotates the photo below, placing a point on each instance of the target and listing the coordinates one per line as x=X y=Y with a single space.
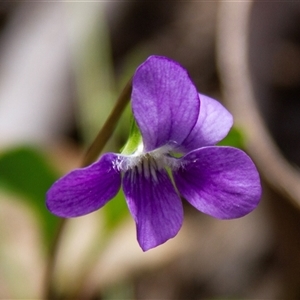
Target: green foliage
x=234 y=138
x=114 y=211
x=26 y=172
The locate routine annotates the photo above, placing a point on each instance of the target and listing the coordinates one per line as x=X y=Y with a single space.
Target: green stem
x=108 y=128
x=91 y=155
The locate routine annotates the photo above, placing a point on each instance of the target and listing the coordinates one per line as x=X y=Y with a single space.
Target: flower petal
x=213 y=124
x=165 y=102
x=219 y=181
x=154 y=205
x=84 y=190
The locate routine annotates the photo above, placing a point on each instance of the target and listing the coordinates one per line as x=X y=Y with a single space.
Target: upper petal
x=165 y=102
x=220 y=181
x=84 y=190
x=154 y=205
x=213 y=124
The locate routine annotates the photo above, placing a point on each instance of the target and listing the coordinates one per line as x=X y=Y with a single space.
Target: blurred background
x=62 y=66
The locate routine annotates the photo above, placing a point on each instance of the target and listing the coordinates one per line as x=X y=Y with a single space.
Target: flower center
x=147 y=163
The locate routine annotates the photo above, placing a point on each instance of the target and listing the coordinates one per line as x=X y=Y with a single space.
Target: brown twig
x=233 y=64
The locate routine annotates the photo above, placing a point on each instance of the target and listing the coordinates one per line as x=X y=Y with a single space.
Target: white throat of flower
x=147 y=162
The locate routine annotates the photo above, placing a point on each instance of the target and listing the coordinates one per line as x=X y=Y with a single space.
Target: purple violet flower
x=173 y=119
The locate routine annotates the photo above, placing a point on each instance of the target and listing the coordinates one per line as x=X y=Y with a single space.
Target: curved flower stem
x=49 y=290
x=91 y=155
x=108 y=128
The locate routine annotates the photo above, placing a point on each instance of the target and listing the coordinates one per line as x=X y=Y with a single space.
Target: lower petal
x=220 y=181
x=154 y=205
x=84 y=190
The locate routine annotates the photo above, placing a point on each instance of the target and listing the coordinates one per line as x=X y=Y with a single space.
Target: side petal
x=213 y=124
x=154 y=205
x=165 y=102
x=220 y=181
x=84 y=190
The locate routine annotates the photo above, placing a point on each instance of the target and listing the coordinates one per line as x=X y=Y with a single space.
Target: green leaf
x=115 y=211
x=134 y=140
x=26 y=172
x=234 y=138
